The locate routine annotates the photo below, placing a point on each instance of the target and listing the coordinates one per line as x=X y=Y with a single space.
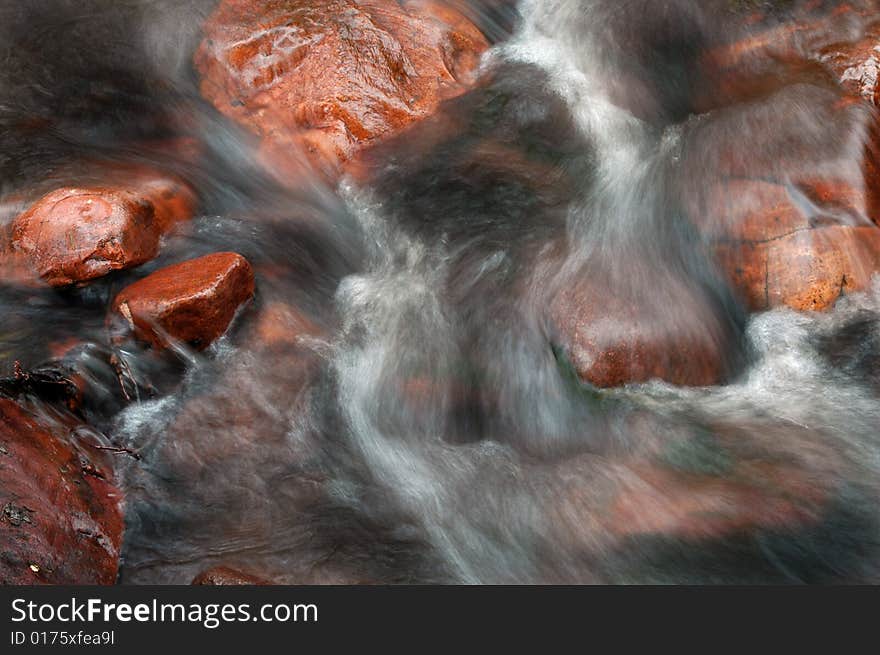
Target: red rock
x=325 y=78
x=701 y=507
x=816 y=71
x=615 y=337
x=748 y=210
x=235 y=420
x=840 y=197
x=807 y=33
x=77 y=234
x=193 y=301
x=81 y=243
x=61 y=518
x=282 y=324
x=856 y=64
x=173 y=200
x=16 y=270
x=58 y=349
x=225 y=576
x=742 y=479
x=805 y=270
x=784 y=245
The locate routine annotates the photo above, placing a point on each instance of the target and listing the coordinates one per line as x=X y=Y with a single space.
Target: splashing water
x=432 y=426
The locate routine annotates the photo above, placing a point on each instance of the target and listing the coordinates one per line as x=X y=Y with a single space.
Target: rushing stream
x=428 y=423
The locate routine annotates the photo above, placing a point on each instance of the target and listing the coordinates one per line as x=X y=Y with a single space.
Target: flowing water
x=430 y=428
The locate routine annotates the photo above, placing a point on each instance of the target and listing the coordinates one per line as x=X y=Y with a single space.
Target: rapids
x=430 y=424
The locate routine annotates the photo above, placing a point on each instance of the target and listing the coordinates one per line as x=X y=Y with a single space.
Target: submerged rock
x=324 y=79
x=61 y=516
x=792 y=217
x=613 y=337
x=193 y=301
x=283 y=324
x=226 y=576
x=800 y=247
x=806 y=270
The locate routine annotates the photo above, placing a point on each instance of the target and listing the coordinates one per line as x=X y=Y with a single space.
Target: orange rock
x=325 y=78
x=225 y=576
x=61 y=518
x=173 y=200
x=810 y=32
x=819 y=70
x=857 y=64
x=614 y=337
x=16 y=270
x=193 y=301
x=841 y=197
x=748 y=210
x=74 y=235
x=805 y=270
x=280 y=323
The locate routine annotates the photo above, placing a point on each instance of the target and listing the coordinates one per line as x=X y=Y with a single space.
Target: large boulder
x=61 y=519
x=191 y=302
x=806 y=269
x=792 y=207
x=787 y=245
x=319 y=80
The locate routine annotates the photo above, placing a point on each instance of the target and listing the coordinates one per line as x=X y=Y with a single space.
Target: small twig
x=119 y=450
x=121 y=368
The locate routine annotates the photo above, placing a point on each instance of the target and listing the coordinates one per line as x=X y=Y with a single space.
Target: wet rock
x=61 y=518
x=226 y=576
x=828 y=28
x=788 y=245
x=74 y=234
x=16 y=270
x=192 y=302
x=856 y=64
x=699 y=507
x=94 y=216
x=280 y=323
x=854 y=348
x=806 y=269
x=743 y=484
x=173 y=200
x=759 y=55
x=709 y=487
x=749 y=210
x=615 y=336
x=324 y=79
x=811 y=71
x=90 y=379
